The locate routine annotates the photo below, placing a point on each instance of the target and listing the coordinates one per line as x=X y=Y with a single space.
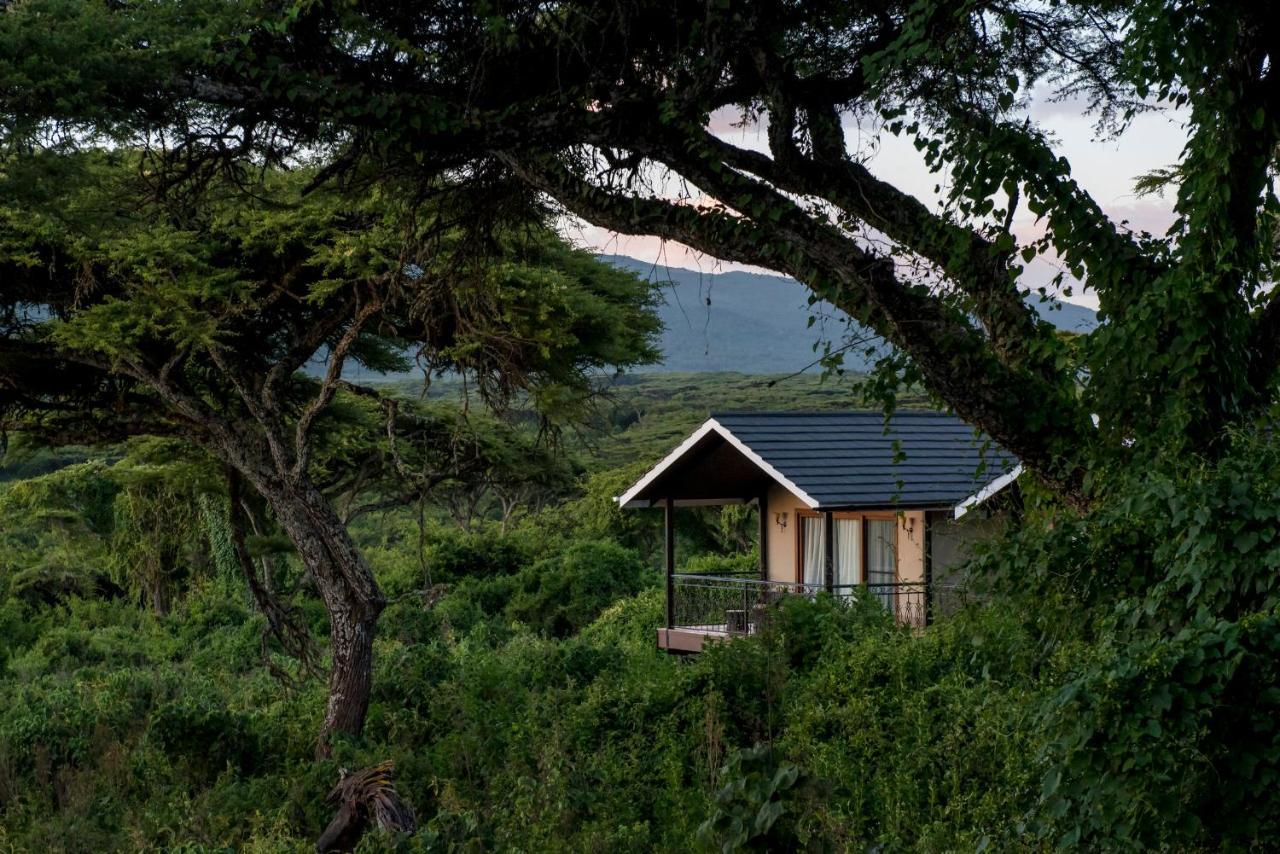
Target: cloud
x=654 y=250
x=728 y=124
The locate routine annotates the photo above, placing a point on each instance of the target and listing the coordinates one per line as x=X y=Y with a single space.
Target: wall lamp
x=780 y=519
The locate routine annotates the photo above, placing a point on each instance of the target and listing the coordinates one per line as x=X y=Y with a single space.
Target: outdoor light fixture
x=781 y=519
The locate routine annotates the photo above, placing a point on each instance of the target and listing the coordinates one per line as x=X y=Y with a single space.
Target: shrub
x=743 y=564
x=453 y=555
x=757 y=806
x=1163 y=602
x=560 y=595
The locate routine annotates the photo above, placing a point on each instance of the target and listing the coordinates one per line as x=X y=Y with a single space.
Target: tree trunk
x=158 y=593
x=350 y=593
x=282 y=620
x=351 y=677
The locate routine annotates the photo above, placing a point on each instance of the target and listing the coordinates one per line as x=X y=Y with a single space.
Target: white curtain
x=815 y=549
x=882 y=566
x=848 y=553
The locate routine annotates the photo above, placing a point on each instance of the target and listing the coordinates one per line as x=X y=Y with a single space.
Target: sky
x=1106 y=168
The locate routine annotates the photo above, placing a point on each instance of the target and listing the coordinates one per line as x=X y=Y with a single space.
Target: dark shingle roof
x=847 y=459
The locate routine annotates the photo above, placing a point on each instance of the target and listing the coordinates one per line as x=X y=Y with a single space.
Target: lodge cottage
x=849 y=503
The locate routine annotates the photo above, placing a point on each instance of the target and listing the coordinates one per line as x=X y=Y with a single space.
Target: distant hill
x=759 y=324
x=749 y=323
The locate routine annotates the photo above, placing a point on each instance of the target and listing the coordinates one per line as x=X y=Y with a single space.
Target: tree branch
x=954 y=359
x=329 y=385
x=967 y=258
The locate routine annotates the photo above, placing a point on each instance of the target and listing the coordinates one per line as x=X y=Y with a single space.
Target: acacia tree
x=604 y=107
x=1189 y=346
x=128 y=312
x=511 y=472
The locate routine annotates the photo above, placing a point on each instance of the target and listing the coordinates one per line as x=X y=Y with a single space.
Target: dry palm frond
x=363 y=797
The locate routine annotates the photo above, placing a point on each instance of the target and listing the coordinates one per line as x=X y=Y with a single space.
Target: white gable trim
x=987 y=491
x=628 y=498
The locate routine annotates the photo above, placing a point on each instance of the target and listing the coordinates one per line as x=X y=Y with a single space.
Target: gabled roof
x=833 y=460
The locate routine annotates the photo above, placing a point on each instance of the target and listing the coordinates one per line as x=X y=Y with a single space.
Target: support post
x=830 y=558
x=669 y=527
x=762 y=503
x=928 y=567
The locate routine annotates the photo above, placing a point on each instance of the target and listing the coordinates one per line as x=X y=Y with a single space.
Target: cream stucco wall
x=782 y=540
x=910 y=544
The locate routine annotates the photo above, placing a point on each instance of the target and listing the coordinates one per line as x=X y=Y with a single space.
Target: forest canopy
x=593 y=103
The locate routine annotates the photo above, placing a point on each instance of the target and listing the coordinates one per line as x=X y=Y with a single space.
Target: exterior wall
x=953 y=539
x=910 y=546
x=782 y=541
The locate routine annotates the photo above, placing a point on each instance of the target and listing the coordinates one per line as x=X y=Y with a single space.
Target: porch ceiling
x=711 y=471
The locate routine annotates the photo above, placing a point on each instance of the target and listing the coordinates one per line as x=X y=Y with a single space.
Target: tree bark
x=351 y=677
x=351 y=597
x=347 y=587
x=158 y=593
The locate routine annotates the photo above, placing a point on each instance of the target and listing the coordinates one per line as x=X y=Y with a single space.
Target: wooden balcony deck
x=688 y=639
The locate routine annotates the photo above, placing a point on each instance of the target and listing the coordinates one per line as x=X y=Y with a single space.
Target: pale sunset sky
x=1106 y=168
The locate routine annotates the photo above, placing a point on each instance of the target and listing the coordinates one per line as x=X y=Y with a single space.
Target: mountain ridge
x=759 y=323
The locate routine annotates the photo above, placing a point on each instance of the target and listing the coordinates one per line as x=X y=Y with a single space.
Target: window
x=877 y=566
x=846 y=549
x=848 y=553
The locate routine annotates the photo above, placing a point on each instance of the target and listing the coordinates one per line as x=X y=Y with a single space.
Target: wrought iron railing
x=733 y=605
x=908 y=602
x=728 y=604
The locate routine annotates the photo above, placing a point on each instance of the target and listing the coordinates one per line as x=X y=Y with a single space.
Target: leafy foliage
x=501 y=736
x=561 y=596
x=1103 y=699
x=129 y=310
x=520 y=697
x=1160 y=733
x=760 y=798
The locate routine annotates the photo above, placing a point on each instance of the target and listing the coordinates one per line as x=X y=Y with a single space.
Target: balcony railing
x=734 y=605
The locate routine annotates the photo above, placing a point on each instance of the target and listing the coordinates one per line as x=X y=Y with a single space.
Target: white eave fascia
x=987 y=491
x=628 y=498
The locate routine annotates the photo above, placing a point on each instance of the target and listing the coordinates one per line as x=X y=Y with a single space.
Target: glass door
x=848 y=554
x=882 y=561
x=813 y=541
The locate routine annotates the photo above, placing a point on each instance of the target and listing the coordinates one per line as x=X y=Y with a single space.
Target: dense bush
x=1118 y=691
x=742 y=564
x=549 y=721
x=560 y=595
x=1162 y=606
x=762 y=798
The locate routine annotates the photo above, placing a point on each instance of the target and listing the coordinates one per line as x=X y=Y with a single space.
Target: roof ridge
x=852 y=458
x=833 y=412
